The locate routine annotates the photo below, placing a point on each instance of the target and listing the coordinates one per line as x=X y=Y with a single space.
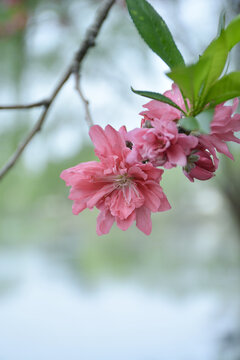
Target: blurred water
x=44 y=314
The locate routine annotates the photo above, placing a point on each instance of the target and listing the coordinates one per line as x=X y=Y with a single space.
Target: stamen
x=122 y=181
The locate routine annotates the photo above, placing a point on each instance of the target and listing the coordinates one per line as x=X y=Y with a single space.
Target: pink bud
x=200 y=165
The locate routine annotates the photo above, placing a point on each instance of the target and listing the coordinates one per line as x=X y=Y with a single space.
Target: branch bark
x=27 y=106
x=74 y=68
x=88 y=116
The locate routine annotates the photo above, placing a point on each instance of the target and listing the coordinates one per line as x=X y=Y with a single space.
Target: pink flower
x=160 y=110
x=123 y=190
x=200 y=165
x=223 y=126
x=161 y=144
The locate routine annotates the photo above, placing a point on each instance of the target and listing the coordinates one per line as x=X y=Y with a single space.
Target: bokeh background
x=64 y=292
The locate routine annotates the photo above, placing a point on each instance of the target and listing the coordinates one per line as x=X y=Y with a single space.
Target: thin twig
x=88 y=116
x=27 y=106
x=74 y=68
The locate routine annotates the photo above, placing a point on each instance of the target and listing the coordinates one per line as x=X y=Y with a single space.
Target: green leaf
x=200 y=123
x=155 y=32
x=228 y=87
x=233 y=32
x=204 y=120
x=157 y=96
x=218 y=51
x=190 y=78
x=196 y=80
x=221 y=22
x=189 y=123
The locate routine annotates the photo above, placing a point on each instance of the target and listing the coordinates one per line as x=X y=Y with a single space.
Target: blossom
x=160 y=110
x=223 y=126
x=158 y=141
x=162 y=144
x=122 y=189
x=199 y=165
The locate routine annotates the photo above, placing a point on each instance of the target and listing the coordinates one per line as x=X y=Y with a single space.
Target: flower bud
x=199 y=165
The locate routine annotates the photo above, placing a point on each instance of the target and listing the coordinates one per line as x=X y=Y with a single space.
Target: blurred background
x=64 y=292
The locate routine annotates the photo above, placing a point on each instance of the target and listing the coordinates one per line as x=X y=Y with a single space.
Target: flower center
x=122 y=181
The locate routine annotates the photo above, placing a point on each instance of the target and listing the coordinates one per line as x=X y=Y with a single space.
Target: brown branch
x=27 y=106
x=88 y=116
x=74 y=68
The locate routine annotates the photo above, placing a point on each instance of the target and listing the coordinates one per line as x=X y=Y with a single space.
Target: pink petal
x=152 y=172
x=159 y=110
x=136 y=172
x=104 y=222
x=119 y=206
x=201 y=174
x=176 y=155
x=105 y=190
x=230 y=137
x=100 y=141
x=124 y=224
x=75 y=174
x=143 y=220
x=158 y=191
x=176 y=96
x=164 y=203
x=78 y=206
x=221 y=146
x=151 y=200
x=205 y=140
x=134 y=157
x=187 y=142
x=116 y=140
x=84 y=189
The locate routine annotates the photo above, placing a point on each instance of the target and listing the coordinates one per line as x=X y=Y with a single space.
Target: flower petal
x=143 y=220
x=124 y=224
x=104 y=222
x=176 y=155
x=104 y=190
x=100 y=141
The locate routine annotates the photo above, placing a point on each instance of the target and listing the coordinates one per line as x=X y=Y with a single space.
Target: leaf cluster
x=202 y=83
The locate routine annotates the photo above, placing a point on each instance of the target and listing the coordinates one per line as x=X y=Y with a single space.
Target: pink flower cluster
x=125 y=184
x=123 y=190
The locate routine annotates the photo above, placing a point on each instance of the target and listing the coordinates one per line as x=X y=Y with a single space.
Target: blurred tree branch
x=88 y=116
x=73 y=69
x=27 y=106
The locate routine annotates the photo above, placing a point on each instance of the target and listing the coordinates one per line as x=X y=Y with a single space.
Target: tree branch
x=74 y=68
x=27 y=106
x=88 y=116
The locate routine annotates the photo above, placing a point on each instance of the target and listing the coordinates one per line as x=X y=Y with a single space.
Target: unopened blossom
x=122 y=189
x=200 y=165
x=161 y=144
